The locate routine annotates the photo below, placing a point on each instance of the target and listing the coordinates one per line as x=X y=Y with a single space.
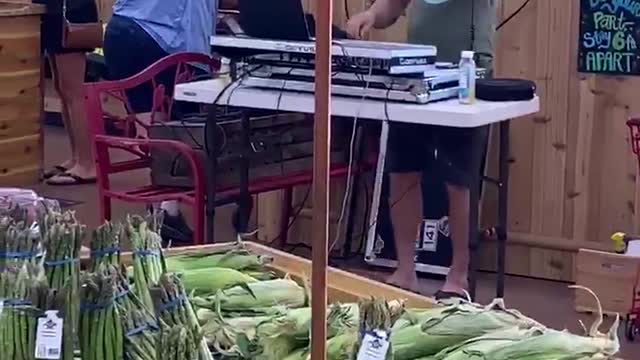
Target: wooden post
x=321 y=141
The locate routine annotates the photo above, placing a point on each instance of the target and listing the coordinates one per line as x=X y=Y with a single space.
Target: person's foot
x=407 y=280
x=455 y=285
x=74 y=176
x=58 y=169
x=175 y=230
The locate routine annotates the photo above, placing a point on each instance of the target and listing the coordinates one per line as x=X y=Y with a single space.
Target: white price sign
x=49 y=337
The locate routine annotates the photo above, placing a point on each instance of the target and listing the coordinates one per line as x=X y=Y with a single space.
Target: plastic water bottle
x=467 y=82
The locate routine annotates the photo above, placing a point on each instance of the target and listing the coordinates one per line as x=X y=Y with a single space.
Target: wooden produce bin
x=20 y=94
x=342 y=286
x=611 y=276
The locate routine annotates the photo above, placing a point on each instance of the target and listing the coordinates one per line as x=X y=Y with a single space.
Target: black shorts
x=456 y=155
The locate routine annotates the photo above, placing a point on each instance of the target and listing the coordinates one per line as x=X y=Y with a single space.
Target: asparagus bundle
x=148 y=263
x=62 y=247
x=101 y=333
x=139 y=324
x=105 y=245
x=377 y=317
x=178 y=317
x=20 y=291
x=19 y=243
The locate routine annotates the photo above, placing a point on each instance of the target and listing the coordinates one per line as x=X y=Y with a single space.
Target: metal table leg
x=245 y=203
x=478 y=143
x=503 y=204
x=377 y=189
x=211 y=169
x=352 y=201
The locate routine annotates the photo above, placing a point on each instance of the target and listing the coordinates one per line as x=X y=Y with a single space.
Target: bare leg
x=71 y=70
x=70 y=163
x=457 y=280
x=406 y=218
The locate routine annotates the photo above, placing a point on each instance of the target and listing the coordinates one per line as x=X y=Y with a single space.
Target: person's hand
x=360 y=24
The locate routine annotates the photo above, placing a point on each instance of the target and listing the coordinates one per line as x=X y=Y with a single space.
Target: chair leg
x=105 y=208
x=199 y=218
x=285 y=216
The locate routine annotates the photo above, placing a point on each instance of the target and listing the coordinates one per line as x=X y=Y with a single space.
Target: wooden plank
x=345 y=285
x=554 y=145
x=520 y=48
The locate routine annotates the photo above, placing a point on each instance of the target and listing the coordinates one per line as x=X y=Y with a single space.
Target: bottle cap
x=467 y=54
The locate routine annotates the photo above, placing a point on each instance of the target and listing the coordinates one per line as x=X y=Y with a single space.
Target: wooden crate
x=20 y=94
x=342 y=285
x=611 y=276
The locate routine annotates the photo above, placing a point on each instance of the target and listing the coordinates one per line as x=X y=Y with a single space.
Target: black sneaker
x=176 y=230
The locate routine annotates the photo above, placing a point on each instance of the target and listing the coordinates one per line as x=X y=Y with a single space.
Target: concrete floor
x=551 y=303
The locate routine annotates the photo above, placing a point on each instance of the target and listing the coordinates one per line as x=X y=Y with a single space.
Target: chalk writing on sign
x=609 y=37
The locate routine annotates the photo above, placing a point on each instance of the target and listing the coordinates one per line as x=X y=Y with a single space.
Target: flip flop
x=448 y=295
x=57 y=170
x=70 y=179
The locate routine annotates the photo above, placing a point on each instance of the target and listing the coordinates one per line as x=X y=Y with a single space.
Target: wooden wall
x=573 y=177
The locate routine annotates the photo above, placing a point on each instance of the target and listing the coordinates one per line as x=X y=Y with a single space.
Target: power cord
x=351 y=159
x=514 y=14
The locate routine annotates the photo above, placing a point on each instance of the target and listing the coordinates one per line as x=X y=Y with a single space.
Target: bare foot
x=404 y=280
x=456 y=282
x=83 y=172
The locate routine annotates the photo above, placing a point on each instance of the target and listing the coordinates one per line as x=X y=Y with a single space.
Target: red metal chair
x=139 y=148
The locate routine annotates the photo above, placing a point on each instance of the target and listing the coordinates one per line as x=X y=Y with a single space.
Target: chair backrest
x=161 y=77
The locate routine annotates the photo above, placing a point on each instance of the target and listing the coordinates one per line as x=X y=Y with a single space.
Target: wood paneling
x=573 y=176
x=20 y=94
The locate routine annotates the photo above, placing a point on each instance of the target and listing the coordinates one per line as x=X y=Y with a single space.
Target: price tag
x=1 y=306
x=375 y=346
x=49 y=337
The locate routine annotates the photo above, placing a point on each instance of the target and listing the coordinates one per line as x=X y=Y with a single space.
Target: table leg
x=352 y=201
x=245 y=203
x=503 y=204
x=478 y=145
x=377 y=189
x=211 y=169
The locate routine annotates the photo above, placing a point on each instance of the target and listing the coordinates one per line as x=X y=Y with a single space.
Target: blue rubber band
x=146 y=253
x=105 y=252
x=19 y=255
x=141 y=329
x=172 y=304
x=60 y=262
x=15 y=302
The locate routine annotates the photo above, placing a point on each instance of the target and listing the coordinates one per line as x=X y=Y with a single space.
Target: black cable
x=515 y=13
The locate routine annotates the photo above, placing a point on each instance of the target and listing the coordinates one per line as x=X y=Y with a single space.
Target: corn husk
x=478 y=347
x=237 y=259
x=257 y=298
x=454 y=324
x=209 y=281
x=282 y=335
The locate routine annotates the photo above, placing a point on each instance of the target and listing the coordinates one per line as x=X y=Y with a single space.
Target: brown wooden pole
x=321 y=141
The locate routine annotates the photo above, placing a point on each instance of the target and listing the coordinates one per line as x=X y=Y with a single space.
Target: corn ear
x=209 y=281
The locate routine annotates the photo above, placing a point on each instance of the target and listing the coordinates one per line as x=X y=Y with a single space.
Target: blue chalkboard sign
x=609 y=37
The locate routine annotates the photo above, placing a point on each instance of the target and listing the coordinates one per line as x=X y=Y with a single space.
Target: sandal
x=67 y=179
x=448 y=295
x=57 y=170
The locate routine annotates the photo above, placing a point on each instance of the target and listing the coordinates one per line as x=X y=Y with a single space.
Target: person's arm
x=386 y=12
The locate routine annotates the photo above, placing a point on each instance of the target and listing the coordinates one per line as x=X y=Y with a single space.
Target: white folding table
x=445 y=113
